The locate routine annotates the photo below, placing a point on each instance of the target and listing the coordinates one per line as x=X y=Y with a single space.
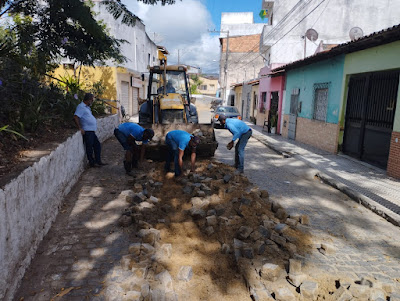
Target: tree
x=115 y=7
x=196 y=82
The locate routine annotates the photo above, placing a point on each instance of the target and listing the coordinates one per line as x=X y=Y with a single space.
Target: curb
x=367 y=202
x=361 y=199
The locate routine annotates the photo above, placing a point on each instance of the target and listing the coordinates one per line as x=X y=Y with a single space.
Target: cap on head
x=149 y=133
x=196 y=141
x=221 y=117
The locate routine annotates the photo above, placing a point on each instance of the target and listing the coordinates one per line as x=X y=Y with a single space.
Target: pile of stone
x=266 y=242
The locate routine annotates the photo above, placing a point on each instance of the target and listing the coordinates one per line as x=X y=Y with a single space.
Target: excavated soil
x=217 y=272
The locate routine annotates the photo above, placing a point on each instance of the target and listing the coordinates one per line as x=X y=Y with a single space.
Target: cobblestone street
x=82 y=256
x=85 y=243
x=365 y=244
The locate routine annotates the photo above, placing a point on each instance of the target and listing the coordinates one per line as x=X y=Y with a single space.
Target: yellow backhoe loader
x=168 y=107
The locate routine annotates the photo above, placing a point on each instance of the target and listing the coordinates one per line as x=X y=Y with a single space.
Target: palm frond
x=5 y=129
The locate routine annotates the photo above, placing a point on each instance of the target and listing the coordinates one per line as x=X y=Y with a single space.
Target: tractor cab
x=168 y=98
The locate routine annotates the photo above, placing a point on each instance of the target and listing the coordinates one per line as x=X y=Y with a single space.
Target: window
x=148 y=59
x=212 y=87
x=227 y=110
x=203 y=87
x=320 y=101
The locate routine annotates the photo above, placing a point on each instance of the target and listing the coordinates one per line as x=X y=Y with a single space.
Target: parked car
x=228 y=111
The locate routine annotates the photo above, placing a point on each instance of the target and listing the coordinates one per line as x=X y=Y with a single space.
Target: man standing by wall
x=240 y=130
x=127 y=134
x=177 y=141
x=87 y=124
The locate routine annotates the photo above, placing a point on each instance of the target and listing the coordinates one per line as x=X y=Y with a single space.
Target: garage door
x=125 y=97
x=135 y=101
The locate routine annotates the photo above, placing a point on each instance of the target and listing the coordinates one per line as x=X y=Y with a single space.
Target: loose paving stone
x=211 y=220
x=150 y=236
x=197 y=213
x=185 y=273
x=244 y=232
x=270 y=271
x=166 y=281
x=102 y=249
x=284 y=294
x=199 y=203
x=308 y=290
x=278 y=239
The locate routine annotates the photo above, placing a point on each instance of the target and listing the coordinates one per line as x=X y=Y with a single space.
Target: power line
x=321 y=13
x=291 y=28
x=287 y=32
x=275 y=28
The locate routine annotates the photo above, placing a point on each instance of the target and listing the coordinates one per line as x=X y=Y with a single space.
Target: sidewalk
x=362 y=182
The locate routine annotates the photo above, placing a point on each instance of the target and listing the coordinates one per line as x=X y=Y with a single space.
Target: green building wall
x=328 y=71
x=380 y=58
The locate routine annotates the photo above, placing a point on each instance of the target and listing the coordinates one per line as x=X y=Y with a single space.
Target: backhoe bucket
x=157 y=149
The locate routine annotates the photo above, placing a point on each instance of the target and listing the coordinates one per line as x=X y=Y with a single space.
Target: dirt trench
x=213 y=232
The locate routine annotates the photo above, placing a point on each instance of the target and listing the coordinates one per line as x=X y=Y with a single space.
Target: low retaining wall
x=29 y=204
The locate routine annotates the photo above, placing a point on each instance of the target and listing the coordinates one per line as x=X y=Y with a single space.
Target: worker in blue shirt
x=127 y=134
x=87 y=124
x=240 y=130
x=177 y=141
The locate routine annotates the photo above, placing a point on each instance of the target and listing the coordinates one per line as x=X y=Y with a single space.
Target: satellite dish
x=312 y=34
x=356 y=33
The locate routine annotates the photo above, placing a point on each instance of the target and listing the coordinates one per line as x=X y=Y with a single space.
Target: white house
x=296 y=28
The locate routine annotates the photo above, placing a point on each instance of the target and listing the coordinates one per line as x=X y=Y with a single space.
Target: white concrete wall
x=332 y=20
x=29 y=204
x=239 y=24
x=237 y=18
x=139 y=46
x=248 y=68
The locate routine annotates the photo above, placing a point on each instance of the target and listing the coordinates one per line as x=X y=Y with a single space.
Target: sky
x=185 y=26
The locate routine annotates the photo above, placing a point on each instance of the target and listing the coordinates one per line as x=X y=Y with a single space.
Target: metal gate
x=371 y=105
x=294 y=104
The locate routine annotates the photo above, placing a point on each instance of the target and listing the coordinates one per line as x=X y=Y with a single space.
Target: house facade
x=370 y=119
x=209 y=85
x=242 y=61
x=125 y=83
x=347 y=99
x=271 y=95
x=254 y=100
x=281 y=42
x=298 y=29
x=237 y=96
x=312 y=105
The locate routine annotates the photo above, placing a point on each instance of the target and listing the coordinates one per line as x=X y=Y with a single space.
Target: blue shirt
x=181 y=138
x=130 y=128
x=86 y=119
x=236 y=127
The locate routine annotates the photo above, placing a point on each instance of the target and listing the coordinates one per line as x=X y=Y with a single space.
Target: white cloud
x=182 y=26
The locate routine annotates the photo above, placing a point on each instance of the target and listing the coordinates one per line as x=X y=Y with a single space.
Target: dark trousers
x=92 y=145
x=239 y=150
x=173 y=154
x=134 y=149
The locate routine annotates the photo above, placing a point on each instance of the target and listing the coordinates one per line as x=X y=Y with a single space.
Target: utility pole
x=178 y=56
x=225 y=90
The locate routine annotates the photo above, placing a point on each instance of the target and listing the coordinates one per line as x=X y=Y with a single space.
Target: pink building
x=271 y=94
